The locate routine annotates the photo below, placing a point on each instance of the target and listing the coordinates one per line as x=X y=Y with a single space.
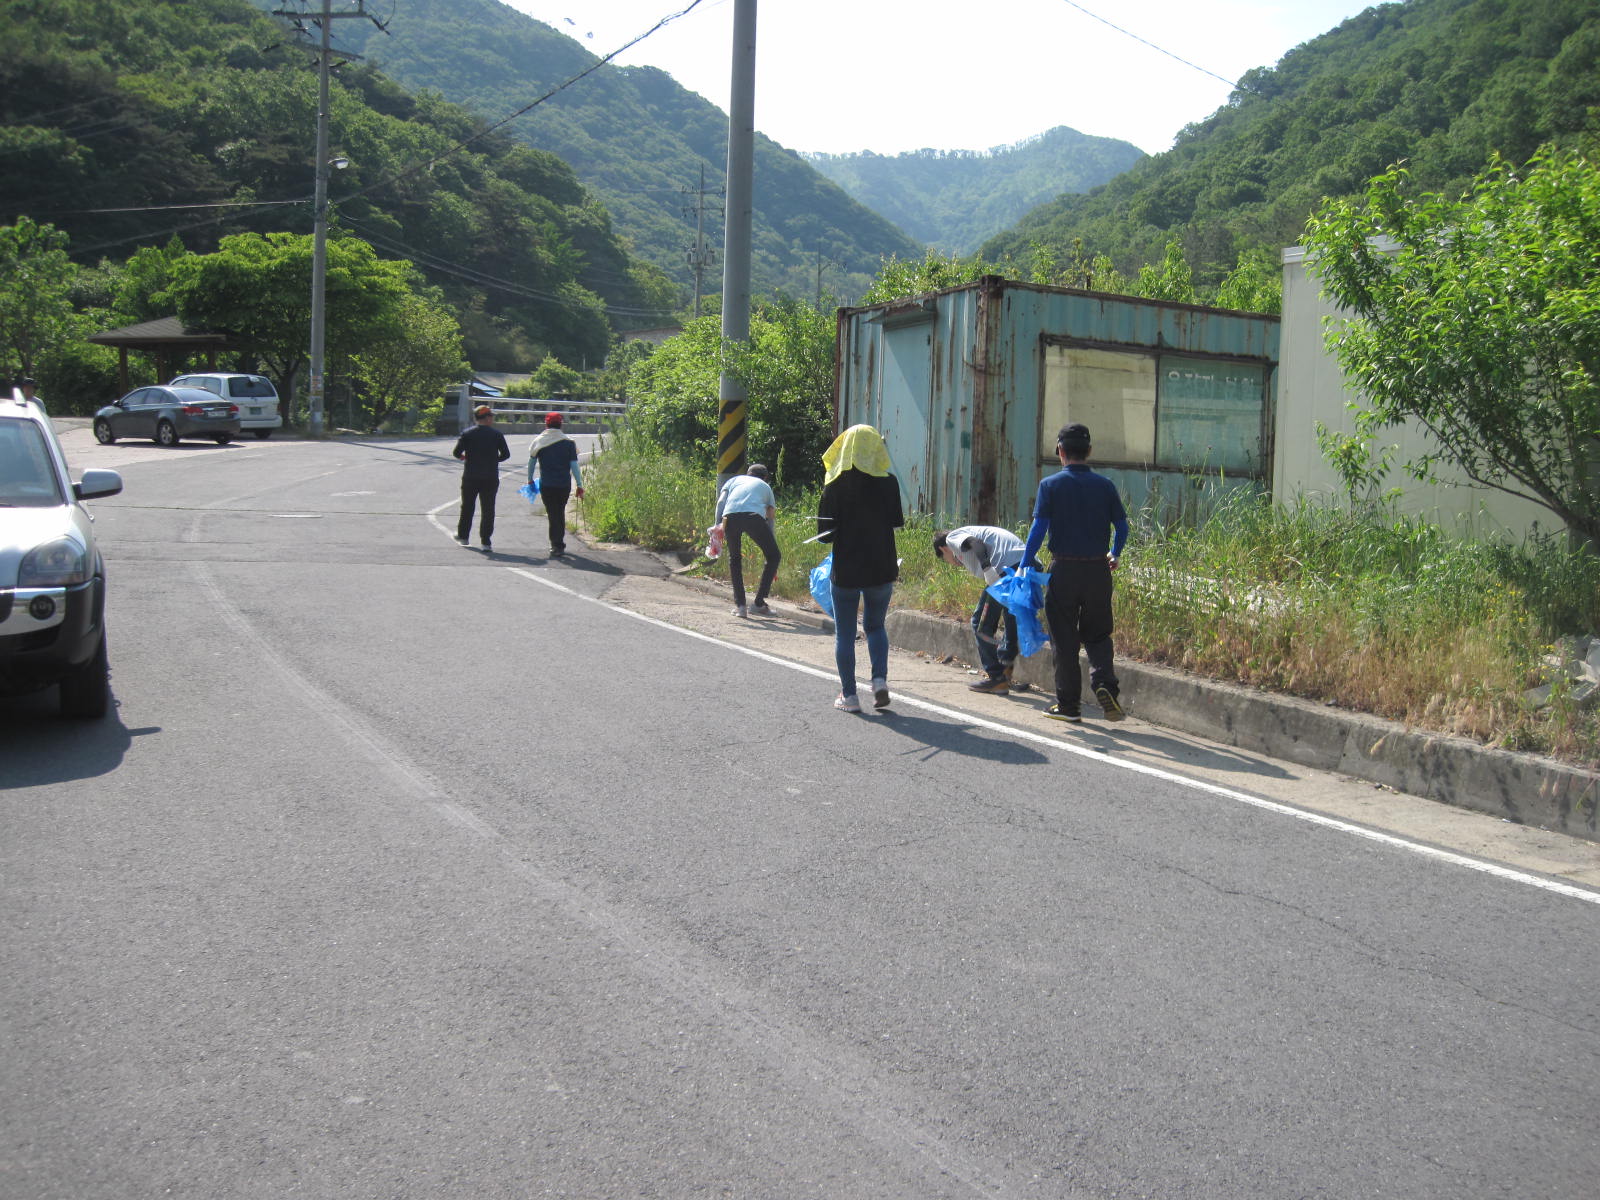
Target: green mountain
x=126 y=123
x=636 y=138
x=954 y=199
x=1439 y=83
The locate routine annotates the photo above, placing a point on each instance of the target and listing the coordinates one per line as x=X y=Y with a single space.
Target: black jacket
x=857 y=516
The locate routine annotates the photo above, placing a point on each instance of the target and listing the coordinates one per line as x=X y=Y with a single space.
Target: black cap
x=1073 y=437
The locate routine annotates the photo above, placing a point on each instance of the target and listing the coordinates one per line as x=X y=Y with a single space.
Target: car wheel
x=166 y=434
x=103 y=434
x=86 y=693
x=224 y=438
x=263 y=434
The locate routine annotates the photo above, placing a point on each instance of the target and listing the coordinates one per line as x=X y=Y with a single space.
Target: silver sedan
x=167 y=414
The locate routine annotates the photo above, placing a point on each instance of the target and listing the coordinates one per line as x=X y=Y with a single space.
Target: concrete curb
x=1526 y=789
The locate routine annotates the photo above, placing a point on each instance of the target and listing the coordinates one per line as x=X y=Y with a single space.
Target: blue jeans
x=874 y=605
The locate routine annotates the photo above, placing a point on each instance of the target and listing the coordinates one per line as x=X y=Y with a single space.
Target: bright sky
x=894 y=75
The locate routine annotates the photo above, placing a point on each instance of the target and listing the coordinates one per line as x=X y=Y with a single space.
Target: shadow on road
x=945 y=737
x=37 y=747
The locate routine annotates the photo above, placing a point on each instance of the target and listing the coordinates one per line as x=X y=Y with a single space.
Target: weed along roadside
x=1441 y=637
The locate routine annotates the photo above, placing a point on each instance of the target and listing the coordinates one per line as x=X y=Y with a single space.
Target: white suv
x=254 y=394
x=52 y=578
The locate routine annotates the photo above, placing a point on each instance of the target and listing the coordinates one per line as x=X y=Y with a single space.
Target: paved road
x=404 y=871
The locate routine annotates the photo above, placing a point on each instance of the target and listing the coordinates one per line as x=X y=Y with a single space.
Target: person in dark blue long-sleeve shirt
x=1080 y=512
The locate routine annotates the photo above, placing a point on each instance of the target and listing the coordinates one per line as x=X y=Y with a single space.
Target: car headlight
x=61 y=563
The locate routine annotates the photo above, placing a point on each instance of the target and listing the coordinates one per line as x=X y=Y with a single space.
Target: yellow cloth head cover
x=861 y=447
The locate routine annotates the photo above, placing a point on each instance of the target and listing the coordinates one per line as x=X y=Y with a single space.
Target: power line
x=427 y=164
x=1158 y=49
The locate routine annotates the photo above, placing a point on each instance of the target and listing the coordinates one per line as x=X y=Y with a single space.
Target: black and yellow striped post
x=731 y=424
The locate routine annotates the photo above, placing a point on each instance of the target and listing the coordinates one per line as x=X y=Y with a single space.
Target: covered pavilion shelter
x=165 y=338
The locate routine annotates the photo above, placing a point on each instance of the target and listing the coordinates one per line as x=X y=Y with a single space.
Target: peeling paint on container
x=964 y=382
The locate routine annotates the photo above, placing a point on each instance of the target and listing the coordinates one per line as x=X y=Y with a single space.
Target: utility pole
x=699 y=257
x=731 y=406
x=319 y=204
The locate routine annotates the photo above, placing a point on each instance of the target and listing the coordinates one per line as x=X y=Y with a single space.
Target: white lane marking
x=808 y=1062
x=1571 y=891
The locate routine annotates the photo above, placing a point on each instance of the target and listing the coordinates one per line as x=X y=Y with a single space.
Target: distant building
x=1312 y=388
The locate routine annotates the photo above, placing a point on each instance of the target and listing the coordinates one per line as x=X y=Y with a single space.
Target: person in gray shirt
x=983 y=550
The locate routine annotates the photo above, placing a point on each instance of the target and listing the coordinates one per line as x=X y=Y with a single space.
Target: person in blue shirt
x=745 y=505
x=1079 y=511
x=553 y=458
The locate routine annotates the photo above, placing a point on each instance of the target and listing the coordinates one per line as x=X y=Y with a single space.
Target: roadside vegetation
x=1359 y=609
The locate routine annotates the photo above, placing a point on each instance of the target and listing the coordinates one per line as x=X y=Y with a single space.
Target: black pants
x=761 y=534
x=555 y=507
x=478 y=493
x=1077 y=607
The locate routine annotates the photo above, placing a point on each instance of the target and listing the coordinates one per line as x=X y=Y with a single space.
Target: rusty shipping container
x=969 y=386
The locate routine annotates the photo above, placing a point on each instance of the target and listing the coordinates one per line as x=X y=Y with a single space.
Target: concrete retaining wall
x=1525 y=788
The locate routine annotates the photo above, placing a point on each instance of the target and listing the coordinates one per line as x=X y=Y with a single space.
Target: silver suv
x=52 y=578
x=254 y=394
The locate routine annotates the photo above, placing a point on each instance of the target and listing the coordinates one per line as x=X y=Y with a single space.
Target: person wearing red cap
x=481 y=450
x=553 y=458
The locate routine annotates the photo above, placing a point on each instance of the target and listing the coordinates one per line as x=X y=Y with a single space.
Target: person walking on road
x=745 y=505
x=984 y=550
x=481 y=449
x=857 y=515
x=553 y=458
x=1079 y=511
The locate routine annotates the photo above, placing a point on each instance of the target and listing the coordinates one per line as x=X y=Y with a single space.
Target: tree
x=1172 y=280
x=1479 y=319
x=412 y=368
x=786 y=367
x=36 y=312
x=257 y=287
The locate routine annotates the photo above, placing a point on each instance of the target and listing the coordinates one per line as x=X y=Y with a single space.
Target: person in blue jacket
x=1079 y=511
x=553 y=459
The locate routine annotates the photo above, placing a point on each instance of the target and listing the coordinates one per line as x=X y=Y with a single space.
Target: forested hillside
x=1441 y=83
x=126 y=123
x=954 y=199
x=635 y=137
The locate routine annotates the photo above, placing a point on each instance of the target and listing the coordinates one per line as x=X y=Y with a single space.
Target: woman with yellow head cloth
x=859 y=512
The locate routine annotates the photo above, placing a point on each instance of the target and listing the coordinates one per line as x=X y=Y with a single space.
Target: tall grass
x=1380 y=614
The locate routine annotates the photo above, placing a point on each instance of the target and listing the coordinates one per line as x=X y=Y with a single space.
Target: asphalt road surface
x=406 y=871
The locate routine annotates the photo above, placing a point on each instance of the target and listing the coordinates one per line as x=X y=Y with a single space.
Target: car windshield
x=27 y=474
x=253 y=386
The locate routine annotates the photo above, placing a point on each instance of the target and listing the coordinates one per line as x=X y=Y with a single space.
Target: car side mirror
x=96 y=484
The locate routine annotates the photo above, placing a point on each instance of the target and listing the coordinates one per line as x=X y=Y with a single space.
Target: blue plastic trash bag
x=530 y=491
x=822 y=584
x=1022 y=592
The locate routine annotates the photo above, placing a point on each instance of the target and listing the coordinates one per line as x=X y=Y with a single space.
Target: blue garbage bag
x=530 y=491
x=822 y=584
x=1022 y=592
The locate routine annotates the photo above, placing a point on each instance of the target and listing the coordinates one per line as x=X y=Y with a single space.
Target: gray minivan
x=254 y=394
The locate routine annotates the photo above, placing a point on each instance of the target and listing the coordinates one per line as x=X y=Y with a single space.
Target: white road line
x=1571 y=891
x=810 y=1063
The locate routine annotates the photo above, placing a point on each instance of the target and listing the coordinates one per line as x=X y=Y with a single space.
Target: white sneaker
x=846 y=703
x=739 y=611
x=761 y=609
x=880 y=693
